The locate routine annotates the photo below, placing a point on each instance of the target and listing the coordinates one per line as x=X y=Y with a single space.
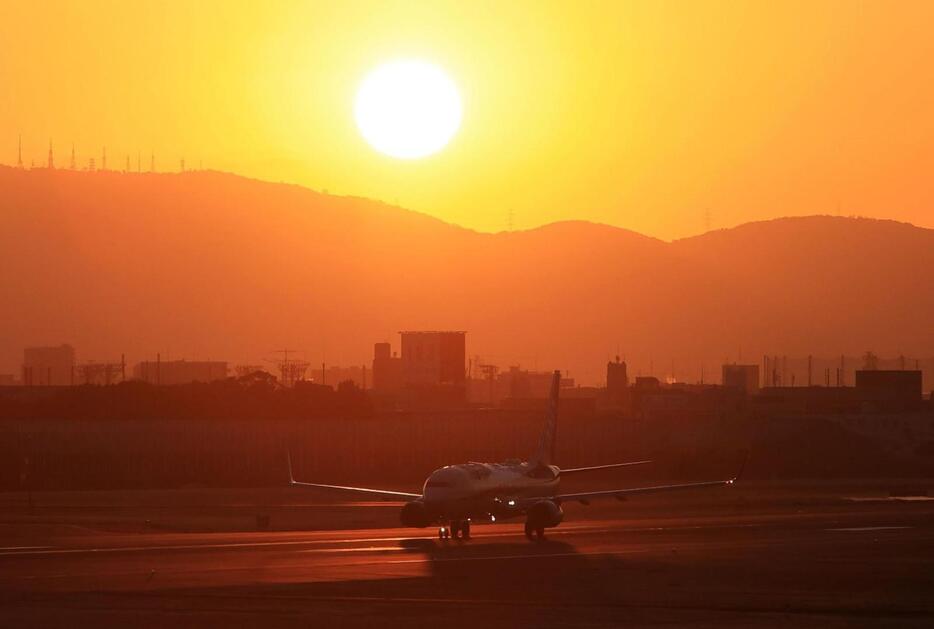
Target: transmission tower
x=290 y=369
x=489 y=372
x=106 y=373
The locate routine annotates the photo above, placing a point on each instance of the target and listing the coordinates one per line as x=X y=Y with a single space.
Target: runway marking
x=364 y=549
x=495 y=557
x=871 y=528
x=23 y=547
x=571 y=530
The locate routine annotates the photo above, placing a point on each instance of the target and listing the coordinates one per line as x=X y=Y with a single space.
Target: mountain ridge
x=216 y=265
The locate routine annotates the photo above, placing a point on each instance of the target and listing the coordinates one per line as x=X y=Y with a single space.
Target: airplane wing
x=592 y=468
x=385 y=493
x=586 y=497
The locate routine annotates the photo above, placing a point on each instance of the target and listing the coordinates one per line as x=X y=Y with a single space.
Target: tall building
x=387 y=369
x=744 y=377
x=617 y=382
x=168 y=372
x=433 y=358
x=48 y=366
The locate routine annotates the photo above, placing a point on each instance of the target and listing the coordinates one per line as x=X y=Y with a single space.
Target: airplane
x=456 y=495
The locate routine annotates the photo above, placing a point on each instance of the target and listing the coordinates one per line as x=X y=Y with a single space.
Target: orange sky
x=637 y=114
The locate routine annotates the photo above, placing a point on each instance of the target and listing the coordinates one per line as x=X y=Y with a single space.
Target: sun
x=408 y=108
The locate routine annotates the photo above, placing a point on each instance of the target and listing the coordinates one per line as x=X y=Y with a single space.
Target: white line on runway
x=494 y=557
x=871 y=528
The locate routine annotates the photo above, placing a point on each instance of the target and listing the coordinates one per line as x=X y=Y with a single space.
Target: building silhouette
x=169 y=372
x=744 y=377
x=617 y=382
x=433 y=358
x=387 y=369
x=48 y=366
x=893 y=390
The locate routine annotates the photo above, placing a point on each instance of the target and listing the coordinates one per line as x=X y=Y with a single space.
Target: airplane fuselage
x=486 y=490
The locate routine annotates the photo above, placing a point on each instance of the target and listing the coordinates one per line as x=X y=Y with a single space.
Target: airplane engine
x=415 y=515
x=544 y=514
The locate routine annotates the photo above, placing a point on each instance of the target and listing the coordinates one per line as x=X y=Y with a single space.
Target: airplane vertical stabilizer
x=545 y=454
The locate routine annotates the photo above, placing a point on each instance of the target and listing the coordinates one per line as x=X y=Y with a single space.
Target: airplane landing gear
x=535 y=533
x=457 y=528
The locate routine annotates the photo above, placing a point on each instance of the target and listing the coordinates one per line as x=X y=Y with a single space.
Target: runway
x=866 y=564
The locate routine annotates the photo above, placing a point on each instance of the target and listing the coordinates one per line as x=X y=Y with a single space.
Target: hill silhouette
x=212 y=265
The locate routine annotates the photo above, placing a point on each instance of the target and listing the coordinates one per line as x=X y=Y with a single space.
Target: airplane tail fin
x=545 y=454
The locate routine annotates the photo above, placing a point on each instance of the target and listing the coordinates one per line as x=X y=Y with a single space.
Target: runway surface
x=865 y=564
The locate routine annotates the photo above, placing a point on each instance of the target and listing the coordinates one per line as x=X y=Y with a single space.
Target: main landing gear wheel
x=465 y=529
x=535 y=532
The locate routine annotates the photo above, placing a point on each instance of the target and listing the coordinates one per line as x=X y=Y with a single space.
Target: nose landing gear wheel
x=444 y=532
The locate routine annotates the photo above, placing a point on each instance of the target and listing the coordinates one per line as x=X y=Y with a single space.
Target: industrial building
x=169 y=372
x=889 y=390
x=876 y=391
x=48 y=366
